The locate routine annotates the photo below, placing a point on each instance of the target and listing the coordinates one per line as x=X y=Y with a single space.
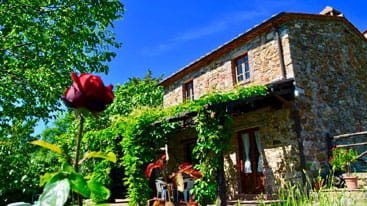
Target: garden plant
x=87 y=94
x=342 y=159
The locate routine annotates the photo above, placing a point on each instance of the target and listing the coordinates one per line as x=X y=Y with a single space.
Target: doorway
x=250 y=162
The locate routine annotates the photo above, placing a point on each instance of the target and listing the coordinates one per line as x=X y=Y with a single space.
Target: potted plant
x=341 y=160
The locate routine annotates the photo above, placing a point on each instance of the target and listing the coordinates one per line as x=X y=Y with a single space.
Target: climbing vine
x=213 y=133
x=213 y=129
x=145 y=130
x=141 y=143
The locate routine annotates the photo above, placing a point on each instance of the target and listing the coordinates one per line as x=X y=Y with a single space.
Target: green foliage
x=213 y=129
x=136 y=93
x=42 y=42
x=342 y=158
x=61 y=182
x=141 y=144
x=58 y=187
x=213 y=133
x=135 y=124
x=101 y=172
x=142 y=139
x=78 y=184
x=18 y=171
x=98 y=191
x=96 y=137
x=110 y=156
x=295 y=193
x=49 y=146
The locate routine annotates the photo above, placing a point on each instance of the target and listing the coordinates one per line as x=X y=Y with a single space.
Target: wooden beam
x=351 y=145
x=350 y=135
x=284 y=101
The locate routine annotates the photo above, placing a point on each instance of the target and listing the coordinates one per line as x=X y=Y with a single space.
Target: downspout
x=297 y=122
x=281 y=54
x=296 y=115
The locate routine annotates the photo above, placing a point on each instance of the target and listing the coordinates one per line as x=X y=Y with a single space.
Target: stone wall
x=279 y=145
x=264 y=64
x=330 y=62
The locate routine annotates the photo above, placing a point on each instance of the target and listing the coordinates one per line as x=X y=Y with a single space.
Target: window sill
x=244 y=82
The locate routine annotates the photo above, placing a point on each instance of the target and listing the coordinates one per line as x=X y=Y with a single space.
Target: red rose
x=88 y=91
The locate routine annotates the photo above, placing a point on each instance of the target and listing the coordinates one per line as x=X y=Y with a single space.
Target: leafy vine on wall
x=142 y=139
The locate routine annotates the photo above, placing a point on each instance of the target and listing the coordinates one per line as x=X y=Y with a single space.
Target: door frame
x=240 y=152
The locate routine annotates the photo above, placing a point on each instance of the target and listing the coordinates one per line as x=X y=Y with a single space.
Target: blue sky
x=164 y=35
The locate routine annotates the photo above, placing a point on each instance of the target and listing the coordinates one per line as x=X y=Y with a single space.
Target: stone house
x=316 y=66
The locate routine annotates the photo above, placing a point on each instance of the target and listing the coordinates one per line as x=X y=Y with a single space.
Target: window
x=188 y=91
x=242 y=68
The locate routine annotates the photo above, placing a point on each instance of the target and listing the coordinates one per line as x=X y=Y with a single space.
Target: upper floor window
x=242 y=68
x=188 y=91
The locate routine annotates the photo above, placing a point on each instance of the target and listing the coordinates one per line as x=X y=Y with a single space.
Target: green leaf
x=57 y=177
x=67 y=168
x=47 y=177
x=98 y=191
x=49 y=146
x=55 y=193
x=79 y=185
x=107 y=156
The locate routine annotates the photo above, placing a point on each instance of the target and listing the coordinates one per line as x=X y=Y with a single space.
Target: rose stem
x=78 y=140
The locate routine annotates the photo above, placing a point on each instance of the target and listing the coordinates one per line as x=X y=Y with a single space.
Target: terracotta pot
x=351 y=182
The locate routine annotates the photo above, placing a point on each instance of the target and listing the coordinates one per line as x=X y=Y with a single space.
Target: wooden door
x=251 y=178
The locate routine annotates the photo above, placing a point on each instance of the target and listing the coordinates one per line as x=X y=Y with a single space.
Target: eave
x=265 y=26
x=280 y=94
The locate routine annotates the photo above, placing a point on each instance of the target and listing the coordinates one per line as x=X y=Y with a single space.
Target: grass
x=293 y=194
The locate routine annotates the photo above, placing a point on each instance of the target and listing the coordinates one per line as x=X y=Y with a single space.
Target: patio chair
x=161 y=188
x=189 y=184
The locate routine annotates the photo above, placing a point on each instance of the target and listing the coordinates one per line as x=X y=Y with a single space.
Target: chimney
x=330 y=11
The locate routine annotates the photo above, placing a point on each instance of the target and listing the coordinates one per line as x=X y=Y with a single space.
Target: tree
x=18 y=171
x=137 y=92
x=41 y=43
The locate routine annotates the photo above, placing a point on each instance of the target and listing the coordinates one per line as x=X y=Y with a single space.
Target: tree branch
x=17 y=46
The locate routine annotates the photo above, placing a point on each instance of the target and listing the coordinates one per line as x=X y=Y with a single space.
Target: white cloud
x=216 y=26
